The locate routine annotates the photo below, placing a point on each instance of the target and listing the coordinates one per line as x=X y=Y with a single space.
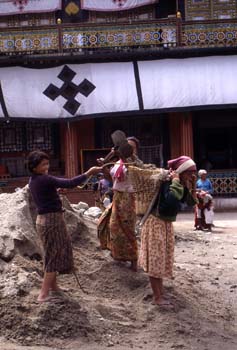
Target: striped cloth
x=57 y=247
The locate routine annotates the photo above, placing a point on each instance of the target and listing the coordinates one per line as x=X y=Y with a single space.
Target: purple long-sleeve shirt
x=44 y=191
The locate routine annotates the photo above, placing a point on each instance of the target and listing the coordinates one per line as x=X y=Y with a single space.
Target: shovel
x=121 y=144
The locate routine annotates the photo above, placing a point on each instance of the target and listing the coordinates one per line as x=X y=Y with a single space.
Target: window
x=38 y=136
x=11 y=137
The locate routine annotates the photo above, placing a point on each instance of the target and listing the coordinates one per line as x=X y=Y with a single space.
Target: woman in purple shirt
x=50 y=223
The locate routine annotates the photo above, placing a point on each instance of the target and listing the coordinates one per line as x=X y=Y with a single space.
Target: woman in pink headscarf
x=157 y=236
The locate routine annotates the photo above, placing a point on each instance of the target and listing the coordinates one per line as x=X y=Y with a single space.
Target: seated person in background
x=104 y=185
x=204 y=209
x=107 y=199
x=101 y=186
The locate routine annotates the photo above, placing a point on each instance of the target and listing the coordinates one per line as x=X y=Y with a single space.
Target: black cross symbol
x=69 y=90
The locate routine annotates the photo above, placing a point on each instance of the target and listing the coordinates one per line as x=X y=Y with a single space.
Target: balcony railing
x=209 y=34
x=117 y=36
x=81 y=37
x=18 y=41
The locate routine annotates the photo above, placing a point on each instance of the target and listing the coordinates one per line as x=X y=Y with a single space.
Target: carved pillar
x=181 y=134
x=70 y=149
x=174 y=128
x=186 y=134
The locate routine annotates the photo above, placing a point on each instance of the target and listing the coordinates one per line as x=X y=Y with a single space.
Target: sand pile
x=116 y=310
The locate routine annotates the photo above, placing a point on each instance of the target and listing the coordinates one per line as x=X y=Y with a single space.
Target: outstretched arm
x=59 y=182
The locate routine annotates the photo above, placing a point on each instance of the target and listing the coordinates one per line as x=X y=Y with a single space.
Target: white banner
x=100 y=89
x=190 y=82
x=17 y=7
x=68 y=91
x=113 y=5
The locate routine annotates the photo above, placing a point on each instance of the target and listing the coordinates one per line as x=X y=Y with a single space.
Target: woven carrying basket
x=145 y=183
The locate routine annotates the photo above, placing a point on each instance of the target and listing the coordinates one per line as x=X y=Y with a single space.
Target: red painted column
x=186 y=134
x=174 y=131
x=181 y=134
x=70 y=149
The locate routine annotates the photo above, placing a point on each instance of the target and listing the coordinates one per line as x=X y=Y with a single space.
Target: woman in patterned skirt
x=116 y=227
x=50 y=222
x=157 y=236
x=123 y=243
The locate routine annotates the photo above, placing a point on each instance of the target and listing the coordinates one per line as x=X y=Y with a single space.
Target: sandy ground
x=117 y=312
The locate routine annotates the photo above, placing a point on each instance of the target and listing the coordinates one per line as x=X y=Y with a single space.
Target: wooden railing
x=87 y=38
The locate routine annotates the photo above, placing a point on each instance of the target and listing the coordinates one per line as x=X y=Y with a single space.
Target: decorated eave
x=76 y=91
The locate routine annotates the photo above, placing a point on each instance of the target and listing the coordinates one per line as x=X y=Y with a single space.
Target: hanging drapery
x=189 y=83
x=114 y=5
x=118 y=88
x=17 y=7
x=68 y=91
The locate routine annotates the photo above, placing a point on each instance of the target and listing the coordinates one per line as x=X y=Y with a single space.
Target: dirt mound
x=25 y=322
x=116 y=310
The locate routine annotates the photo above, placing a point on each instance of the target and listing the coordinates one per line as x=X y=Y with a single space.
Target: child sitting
x=204 y=212
x=108 y=197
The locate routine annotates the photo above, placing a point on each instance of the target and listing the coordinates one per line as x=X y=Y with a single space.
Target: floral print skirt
x=103 y=229
x=157 y=247
x=123 y=243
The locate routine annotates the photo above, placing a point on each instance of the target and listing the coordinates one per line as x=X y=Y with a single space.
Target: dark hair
x=134 y=139
x=35 y=158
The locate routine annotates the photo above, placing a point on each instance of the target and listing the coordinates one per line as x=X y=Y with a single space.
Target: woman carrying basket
x=157 y=235
x=123 y=242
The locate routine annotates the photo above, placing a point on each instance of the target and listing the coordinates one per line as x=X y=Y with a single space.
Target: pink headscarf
x=182 y=164
x=119 y=174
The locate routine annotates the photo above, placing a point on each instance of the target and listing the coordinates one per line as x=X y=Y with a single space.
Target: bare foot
x=42 y=297
x=163 y=303
x=49 y=299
